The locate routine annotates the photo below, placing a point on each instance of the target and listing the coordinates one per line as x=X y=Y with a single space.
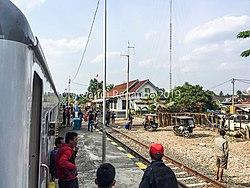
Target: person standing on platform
x=91 y=121
x=80 y=115
x=158 y=175
x=64 y=117
x=221 y=151
x=108 y=118
x=105 y=176
x=113 y=117
x=65 y=168
x=96 y=118
x=58 y=143
x=68 y=117
x=130 y=121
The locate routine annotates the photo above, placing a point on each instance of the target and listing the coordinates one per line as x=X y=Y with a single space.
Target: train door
x=35 y=130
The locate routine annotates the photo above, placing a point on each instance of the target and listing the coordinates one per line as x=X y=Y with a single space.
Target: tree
x=189 y=98
x=140 y=110
x=221 y=94
x=94 y=88
x=239 y=93
x=109 y=87
x=244 y=34
x=82 y=100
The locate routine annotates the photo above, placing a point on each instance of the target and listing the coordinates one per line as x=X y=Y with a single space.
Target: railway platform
x=128 y=169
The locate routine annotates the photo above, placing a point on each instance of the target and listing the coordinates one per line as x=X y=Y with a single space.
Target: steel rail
x=189 y=170
x=181 y=185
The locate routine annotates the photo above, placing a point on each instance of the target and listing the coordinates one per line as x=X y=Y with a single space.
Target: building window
x=124 y=104
x=147 y=90
x=115 y=103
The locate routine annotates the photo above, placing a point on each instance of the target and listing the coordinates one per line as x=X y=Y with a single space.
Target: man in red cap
x=158 y=175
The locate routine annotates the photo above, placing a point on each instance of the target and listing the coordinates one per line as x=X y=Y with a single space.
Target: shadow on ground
x=197 y=135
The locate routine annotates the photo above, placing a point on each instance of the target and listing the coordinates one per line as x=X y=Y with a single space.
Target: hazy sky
x=205 y=48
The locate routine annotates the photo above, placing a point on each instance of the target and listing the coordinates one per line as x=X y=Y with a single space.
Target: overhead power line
x=246 y=82
x=85 y=48
x=233 y=79
x=79 y=84
x=221 y=84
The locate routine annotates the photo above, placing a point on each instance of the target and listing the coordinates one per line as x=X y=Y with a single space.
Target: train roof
x=13 y=24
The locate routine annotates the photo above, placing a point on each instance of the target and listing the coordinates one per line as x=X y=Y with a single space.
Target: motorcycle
x=150 y=122
x=183 y=125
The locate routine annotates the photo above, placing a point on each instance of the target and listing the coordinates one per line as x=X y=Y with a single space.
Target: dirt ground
x=198 y=151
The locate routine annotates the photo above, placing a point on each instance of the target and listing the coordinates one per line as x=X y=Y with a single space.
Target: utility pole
x=69 y=93
x=170 y=47
x=104 y=82
x=127 y=55
x=233 y=81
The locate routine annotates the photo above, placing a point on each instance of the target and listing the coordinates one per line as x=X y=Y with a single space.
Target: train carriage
x=28 y=100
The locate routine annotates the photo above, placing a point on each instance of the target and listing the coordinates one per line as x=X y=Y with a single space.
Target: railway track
x=186 y=176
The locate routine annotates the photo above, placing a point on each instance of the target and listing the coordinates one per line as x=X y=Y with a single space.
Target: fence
x=205 y=119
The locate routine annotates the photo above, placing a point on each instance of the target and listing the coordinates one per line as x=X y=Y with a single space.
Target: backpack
x=85 y=117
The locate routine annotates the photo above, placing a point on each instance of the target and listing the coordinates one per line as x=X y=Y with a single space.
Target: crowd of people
x=63 y=167
x=91 y=116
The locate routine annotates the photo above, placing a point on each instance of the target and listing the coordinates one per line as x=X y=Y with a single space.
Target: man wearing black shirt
x=158 y=175
x=91 y=121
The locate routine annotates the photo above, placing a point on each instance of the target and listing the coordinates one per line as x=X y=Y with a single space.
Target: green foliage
x=140 y=110
x=245 y=53
x=221 y=94
x=82 y=100
x=109 y=87
x=189 y=98
x=144 y=108
x=239 y=93
x=152 y=108
x=243 y=35
x=95 y=88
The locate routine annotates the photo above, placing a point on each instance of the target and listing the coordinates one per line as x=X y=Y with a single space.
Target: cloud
x=225 y=66
x=27 y=5
x=217 y=27
x=146 y=62
x=99 y=58
x=62 y=46
x=189 y=67
x=153 y=63
x=226 y=48
x=149 y=34
x=204 y=51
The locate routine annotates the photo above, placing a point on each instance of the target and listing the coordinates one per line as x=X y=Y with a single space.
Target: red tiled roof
x=119 y=89
x=122 y=88
x=136 y=86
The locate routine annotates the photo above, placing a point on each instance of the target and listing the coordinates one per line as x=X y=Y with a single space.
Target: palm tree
x=244 y=34
x=140 y=110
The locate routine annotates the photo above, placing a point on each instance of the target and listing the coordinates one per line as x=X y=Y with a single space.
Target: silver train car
x=29 y=102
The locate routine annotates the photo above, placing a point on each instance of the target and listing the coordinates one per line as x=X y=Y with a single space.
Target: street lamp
x=127 y=55
x=69 y=93
x=127 y=86
x=104 y=82
x=233 y=81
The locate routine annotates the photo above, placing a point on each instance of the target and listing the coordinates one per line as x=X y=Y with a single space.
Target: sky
x=205 y=50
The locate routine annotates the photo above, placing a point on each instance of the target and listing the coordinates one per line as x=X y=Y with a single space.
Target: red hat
x=156 y=149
